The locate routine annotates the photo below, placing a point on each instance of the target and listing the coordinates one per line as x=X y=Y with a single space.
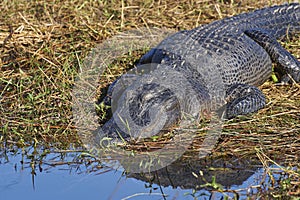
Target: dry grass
x=42 y=44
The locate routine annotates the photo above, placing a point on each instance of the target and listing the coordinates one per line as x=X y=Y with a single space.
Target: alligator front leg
x=243 y=99
x=286 y=61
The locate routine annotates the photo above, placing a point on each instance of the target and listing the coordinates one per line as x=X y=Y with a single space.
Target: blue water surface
x=64 y=183
x=71 y=182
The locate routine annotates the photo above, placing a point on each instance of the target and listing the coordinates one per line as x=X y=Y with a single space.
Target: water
x=65 y=182
x=66 y=176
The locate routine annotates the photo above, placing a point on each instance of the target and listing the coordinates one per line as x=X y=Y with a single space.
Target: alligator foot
x=243 y=99
x=288 y=65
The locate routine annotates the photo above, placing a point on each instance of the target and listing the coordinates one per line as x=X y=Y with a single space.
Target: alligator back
x=222 y=50
x=279 y=20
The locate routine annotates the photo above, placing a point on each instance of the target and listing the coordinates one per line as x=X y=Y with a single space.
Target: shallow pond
x=65 y=175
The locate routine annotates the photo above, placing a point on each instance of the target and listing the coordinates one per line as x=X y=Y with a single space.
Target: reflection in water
x=218 y=176
x=191 y=173
x=38 y=174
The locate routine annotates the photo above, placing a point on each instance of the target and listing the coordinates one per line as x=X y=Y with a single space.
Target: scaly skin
x=219 y=65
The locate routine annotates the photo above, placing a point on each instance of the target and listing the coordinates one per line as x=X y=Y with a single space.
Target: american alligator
x=226 y=59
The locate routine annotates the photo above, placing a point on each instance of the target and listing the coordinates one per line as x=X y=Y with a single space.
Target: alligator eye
x=147 y=97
